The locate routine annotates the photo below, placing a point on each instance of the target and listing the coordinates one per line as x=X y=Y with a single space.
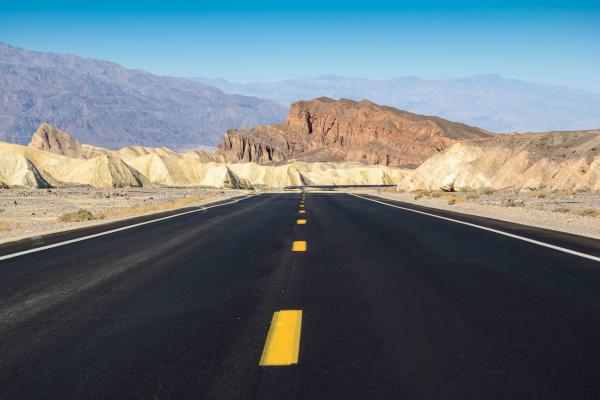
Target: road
x=395 y=305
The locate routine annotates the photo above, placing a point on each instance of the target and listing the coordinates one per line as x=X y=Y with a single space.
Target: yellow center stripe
x=299 y=245
x=283 y=340
x=301 y=212
x=301 y=222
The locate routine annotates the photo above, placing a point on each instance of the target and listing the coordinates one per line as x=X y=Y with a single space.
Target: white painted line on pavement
x=548 y=245
x=95 y=235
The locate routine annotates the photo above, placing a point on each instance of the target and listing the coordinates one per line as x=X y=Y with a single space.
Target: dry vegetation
x=86 y=215
x=588 y=212
x=78 y=216
x=30 y=212
x=151 y=208
x=450 y=197
x=5 y=226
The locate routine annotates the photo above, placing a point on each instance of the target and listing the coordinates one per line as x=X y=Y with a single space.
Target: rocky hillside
x=50 y=139
x=328 y=130
x=54 y=159
x=552 y=160
x=108 y=105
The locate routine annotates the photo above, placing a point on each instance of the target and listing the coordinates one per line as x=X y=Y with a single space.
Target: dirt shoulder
x=571 y=212
x=32 y=212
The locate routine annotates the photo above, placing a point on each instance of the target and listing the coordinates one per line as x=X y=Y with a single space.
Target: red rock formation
x=328 y=130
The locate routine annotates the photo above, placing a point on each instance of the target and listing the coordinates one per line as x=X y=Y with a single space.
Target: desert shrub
x=541 y=196
x=5 y=226
x=151 y=208
x=418 y=196
x=451 y=198
x=510 y=202
x=473 y=196
x=80 y=215
x=486 y=190
x=451 y=202
x=562 y=210
x=588 y=212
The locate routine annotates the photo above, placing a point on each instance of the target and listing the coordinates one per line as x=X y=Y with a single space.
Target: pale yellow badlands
x=22 y=166
x=552 y=160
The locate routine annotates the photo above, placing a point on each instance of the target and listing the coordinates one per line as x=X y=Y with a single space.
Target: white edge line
x=548 y=245
x=95 y=235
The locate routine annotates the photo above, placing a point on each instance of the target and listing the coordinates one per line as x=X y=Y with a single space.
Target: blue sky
x=552 y=41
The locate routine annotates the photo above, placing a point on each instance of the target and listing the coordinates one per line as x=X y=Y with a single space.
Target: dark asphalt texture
x=396 y=305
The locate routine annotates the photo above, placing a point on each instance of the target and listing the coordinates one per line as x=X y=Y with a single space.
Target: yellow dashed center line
x=299 y=245
x=283 y=340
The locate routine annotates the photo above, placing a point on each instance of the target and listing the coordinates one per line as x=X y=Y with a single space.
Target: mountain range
x=491 y=101
x=108 y=105
x=112 y=106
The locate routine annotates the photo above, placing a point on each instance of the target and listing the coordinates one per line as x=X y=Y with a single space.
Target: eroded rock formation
x=55 y=159
x=328 y=130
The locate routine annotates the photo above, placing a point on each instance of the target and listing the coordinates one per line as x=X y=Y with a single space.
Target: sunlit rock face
x=328 y=130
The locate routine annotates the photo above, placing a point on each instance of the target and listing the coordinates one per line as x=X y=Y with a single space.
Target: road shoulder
x=587 y=226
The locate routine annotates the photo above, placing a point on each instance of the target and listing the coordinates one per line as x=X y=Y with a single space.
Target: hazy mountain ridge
x=109 y=105
x=487 y=101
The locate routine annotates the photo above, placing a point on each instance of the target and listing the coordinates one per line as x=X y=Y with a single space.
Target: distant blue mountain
x=487 y=101
x=104 y=104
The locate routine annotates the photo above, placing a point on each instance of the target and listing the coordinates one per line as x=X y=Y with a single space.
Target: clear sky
x=548 y=41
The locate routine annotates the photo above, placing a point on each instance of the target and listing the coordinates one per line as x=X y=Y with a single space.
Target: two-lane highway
x=392 y=304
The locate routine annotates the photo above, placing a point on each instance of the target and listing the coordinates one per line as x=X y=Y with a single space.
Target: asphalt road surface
x=395 y=305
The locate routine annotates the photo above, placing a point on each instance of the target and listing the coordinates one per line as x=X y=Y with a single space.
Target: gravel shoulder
x=27 y=213
x=32 y=212
x=571 y=212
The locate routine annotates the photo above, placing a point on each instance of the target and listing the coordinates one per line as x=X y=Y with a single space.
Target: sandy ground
x=572 y=212
x=32 y=212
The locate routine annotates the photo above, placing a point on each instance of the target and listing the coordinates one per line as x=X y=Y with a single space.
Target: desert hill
x=48 y=138
x=532 y=161
x=54 y=158
x=328 y=130
x=552 y=160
